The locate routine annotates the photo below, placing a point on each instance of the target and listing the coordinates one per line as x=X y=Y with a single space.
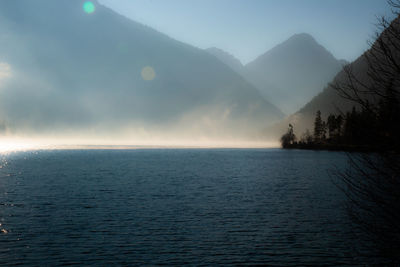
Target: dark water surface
x=150 y=207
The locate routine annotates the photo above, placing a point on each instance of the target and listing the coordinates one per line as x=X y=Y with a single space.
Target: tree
x=323 y=130
x=332 y=126
x=289 y=138
x=339 y=122
x=372 y=181
x=306 y=138
x=318 y=127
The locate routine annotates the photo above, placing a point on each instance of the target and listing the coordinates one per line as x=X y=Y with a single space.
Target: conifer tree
x=318 y=127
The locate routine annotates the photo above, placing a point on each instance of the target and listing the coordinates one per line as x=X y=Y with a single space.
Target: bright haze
x=79 y=72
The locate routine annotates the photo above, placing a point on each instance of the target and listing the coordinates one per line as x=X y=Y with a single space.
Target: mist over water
x=89 y=74
x=95 y=75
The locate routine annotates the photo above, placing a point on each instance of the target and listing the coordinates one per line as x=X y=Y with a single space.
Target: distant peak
x=303 y=37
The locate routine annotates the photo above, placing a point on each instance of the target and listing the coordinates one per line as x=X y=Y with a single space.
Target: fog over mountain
x=64 y=69
x=228 y=59
x=328 y=101
x=291 y=73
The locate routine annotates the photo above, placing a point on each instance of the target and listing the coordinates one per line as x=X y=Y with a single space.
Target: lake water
x=171 y=206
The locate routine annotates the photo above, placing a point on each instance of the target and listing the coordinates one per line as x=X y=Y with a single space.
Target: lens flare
x=5 y=70
x=89 y=7
x=148 y=73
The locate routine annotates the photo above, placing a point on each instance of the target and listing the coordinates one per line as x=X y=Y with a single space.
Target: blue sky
x=248 y=28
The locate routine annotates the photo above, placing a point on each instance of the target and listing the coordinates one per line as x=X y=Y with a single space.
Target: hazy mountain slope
x=293 y=72
x=228 y=59
x=329 y=101
x=72 y=69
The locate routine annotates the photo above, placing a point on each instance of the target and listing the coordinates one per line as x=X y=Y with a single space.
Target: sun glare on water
x=15 y=145
x=8 y=145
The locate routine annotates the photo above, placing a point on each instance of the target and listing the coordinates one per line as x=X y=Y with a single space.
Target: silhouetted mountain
x=73 y=69
x=228 y=59
x=293 y=72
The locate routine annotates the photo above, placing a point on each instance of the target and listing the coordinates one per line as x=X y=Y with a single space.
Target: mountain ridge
x=228 y=59
x=92 y=66
x=328 y=101
x=293 y=71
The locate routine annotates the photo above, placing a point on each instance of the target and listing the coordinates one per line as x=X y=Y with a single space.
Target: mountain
x=328 y=101
x=228 y=59
x=293 y=72
x=71 y=70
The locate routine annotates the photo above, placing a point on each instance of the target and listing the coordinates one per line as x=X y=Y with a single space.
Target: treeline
x=370 y=128
x=371 y=181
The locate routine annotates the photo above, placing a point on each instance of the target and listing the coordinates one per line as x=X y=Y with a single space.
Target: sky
x=248 y=28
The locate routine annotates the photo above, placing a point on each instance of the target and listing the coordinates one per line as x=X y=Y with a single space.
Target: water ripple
x=175 y=207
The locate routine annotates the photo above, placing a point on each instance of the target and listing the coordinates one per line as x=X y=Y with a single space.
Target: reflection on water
x=133 y=207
